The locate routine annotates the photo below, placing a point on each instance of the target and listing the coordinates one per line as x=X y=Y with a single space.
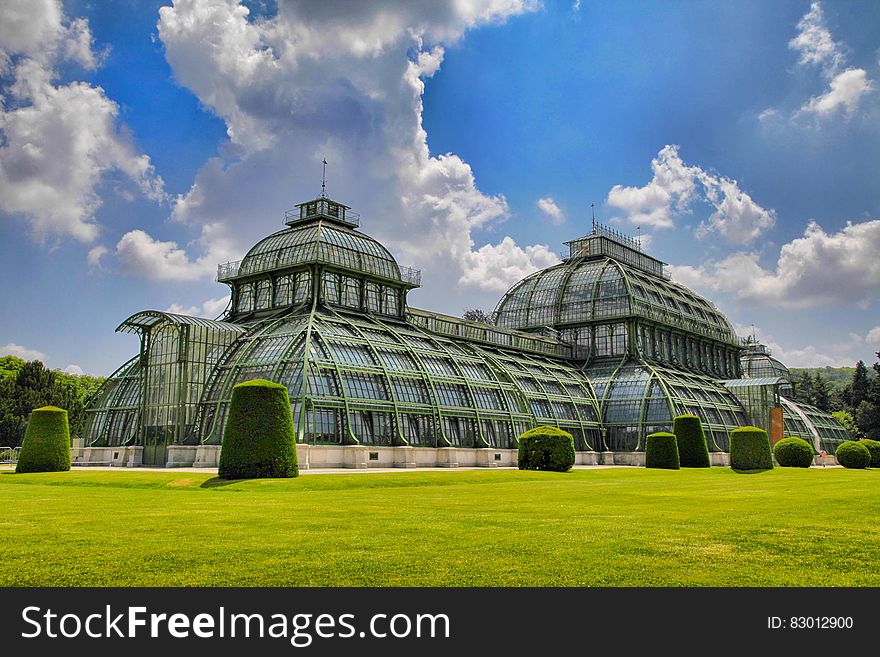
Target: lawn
x=617 y=527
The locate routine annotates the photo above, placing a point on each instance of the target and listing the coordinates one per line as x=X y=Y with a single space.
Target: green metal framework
x=604 y=346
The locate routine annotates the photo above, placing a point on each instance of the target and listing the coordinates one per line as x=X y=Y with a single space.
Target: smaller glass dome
x=320 y=241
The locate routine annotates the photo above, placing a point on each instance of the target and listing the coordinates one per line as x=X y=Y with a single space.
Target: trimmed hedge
x=853 y=454
x=46 y=444
x=750 y=449
x=661 y=451
x=692 y=449
x=259 y=440
x=794 y=453
x=873 y=447
x=546 y=448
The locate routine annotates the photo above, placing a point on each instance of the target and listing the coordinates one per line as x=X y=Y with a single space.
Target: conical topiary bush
x=661 y=451
x=750 y=449
x=692 y=449
x=46 y=444
x=259 y=440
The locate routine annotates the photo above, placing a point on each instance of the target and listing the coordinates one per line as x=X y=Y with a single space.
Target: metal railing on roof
x=323 y=254
x=411 y=276
x=294 y=215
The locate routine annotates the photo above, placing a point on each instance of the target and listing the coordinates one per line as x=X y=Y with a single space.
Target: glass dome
x=579 y=291
x=320 y=241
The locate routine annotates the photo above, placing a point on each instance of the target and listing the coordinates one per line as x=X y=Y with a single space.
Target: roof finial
x=639 y=238
x=324 y=179
x=593 y=210
x=754 y=336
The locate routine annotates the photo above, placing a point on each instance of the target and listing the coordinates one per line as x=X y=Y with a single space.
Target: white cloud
x=497 y=267
x=210 y=308
x=768 y=114
x=818 y=48
x=814 y=42
x=816 y=269
x=58 y=140
x=553 y=212
x=873 y=337
x=12 y=349
x=140 y=254
x=76 y=370
x=95 y=255
x=846 y=90
x=341 y=80
x=676 y=187
x=808 y=356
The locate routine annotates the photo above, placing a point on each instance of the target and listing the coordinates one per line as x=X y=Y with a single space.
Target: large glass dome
x=320 y=241
x=579 y=290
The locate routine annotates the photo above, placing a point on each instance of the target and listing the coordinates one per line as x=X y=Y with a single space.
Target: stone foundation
x=361 y=457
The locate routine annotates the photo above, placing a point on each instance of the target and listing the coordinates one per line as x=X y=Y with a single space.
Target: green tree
x=848 y=420
x=821 y=392
x=859 y=384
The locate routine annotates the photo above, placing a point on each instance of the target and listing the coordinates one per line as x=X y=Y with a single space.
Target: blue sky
x=141 y=147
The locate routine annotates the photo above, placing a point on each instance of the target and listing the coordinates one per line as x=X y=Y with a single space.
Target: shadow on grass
x=750 y=472
x=217 y=482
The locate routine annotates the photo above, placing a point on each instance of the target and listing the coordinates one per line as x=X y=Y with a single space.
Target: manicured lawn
x=629 y=527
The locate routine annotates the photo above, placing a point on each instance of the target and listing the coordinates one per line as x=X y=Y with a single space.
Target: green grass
x=629 y=527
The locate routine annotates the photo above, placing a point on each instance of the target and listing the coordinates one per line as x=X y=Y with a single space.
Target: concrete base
x=361 y=457
x=121 y=457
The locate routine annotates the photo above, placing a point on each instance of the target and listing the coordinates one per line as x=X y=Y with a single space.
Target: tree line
x=25 y=386
x=856 y=403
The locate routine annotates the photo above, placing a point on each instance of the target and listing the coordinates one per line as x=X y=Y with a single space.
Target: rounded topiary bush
x=259 y=440
x=661 y=451
x=873 y=447
x=853 y=454
x=692 y=449
x=793 y=453
x=546 y=448
x=46 y=444
x=750 y=449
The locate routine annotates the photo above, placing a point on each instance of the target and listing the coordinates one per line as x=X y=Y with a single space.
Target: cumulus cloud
x=140 y=254
x=12 y=349
x=676 y=187
x=210 y=308
x=846 y=90
x=873 y=337
x=552 y=211
x=341 y=80
x=497 y=267
x=816 y=269
x=74 y=369
x=58 y=140
x=807 y=356
x=817 y=48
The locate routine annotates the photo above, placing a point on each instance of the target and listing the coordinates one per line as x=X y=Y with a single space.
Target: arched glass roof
x=636 y=399
x=585 y=290
x=814 y=425
x=355 y=379
x=320 y=241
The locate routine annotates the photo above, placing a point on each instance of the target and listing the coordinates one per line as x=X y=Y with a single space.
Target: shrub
x=873 y=447
x=750 y=449
x=46 y=444
x=661 y=451
x=793 y=453
x=259 y=440
x=546 y=448
x=692 y=449
x=853 y=454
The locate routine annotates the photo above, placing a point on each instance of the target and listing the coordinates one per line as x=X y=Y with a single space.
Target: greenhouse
x=603 y=345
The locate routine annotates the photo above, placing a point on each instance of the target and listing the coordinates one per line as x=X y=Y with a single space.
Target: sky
x=143 y=143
